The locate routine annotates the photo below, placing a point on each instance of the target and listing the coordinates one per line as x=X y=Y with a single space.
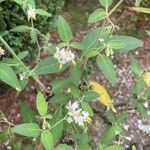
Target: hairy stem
x=114 y=8
x=20 y=62
x=13 y=53
x=37 y=42
x=57 y=123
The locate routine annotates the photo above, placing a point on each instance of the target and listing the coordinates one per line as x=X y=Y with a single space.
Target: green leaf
x=29 y=2
x=105 y=3
x=141 y=108
x=57 y=130
x=9 y=61
x=137 y=2
x=8 y=76
x=108 y=135
x=41 y=104
x=61 y=45
x=4 y=134
x=83 y=141
x=64 y=147
x=106 y=66
x=138 y=87
x=1 y=1
x=23 y=83
x=111 y=117
x=60 y=98
x=26 y=113
x=76 y=45
x=33 y=35
x=75 y=74
x=147 y=94
x=91 y=42
x=97 y=15
x=121 y=117
x=43 y=13
x=17 y=145
x=86 y=107
x=47 y=65
x=59 y=84
x=64 y=30
x=121 y=43
x=112 y=147
x=91 y=54
x=141 y=9
x=27 y=129
x=115 y=147
x=47 y=140
x=90 y=95
x=134 y=66
x=18 y=1
x=29 y=147
x=75 y=90
x=22 y=55
x=148 y=32
x=21 y=28
x=101 y=147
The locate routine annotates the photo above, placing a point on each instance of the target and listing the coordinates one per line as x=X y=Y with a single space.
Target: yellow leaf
x=146 y=77
x=104 y=97
x=60 y=66
x=73 y=62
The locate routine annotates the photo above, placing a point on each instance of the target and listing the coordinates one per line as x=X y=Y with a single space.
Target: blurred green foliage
x=12 y=14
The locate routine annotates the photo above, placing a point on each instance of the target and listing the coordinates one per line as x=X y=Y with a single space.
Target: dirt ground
x=129 y=22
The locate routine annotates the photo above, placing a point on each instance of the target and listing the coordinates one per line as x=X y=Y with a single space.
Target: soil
x=9 y=100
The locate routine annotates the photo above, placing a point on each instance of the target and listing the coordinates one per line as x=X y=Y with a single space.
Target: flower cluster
x=108 y=50
x=23 y=75
x=31 y=13
x=76 y=114
x=63 y=56
x=2 y=51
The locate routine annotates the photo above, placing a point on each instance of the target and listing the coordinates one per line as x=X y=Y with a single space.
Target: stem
x=39 y=82
x=37 y=42
x=20 y=62
x=114 y=8
x=113 y=26
x=104 y=22
x=6 y=121
x=13 y=53
x=39 y=50
x=42 y=35
x=56 y=123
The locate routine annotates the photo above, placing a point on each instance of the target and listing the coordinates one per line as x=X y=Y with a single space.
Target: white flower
x=63 y=56
x=22 y=75
x=117 y=132
x=2 y=51
x=144 y=128
x=85 y=114
x=109 y=50
x=128 y=138
x=69 y=120
x=73 y=106
x=101 y=40
x=31 y=13
x=76 y=114
x=146 y=105
x=79 y=120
